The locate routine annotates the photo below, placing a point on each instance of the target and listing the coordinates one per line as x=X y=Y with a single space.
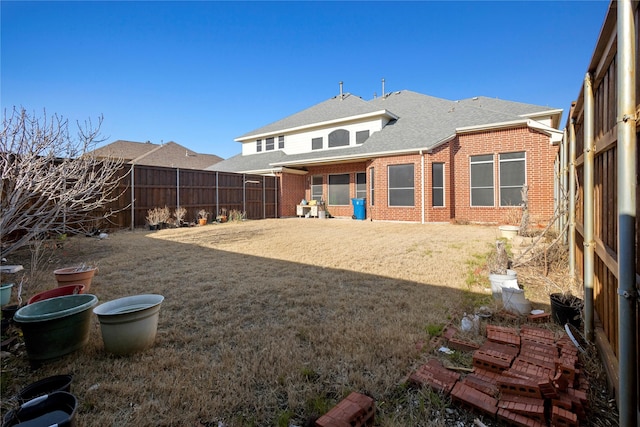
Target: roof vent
x=341 y=94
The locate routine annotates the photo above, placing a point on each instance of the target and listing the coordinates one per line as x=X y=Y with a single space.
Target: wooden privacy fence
x=597 y=154
x=146 y=187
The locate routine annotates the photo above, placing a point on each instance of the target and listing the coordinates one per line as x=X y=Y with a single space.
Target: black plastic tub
x=57 y=408
x=46 y=385
x=566 y=309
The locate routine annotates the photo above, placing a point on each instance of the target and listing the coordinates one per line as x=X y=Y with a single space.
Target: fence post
x=177 y=188
x=133 y=199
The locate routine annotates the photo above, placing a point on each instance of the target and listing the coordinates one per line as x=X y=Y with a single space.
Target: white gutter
x=318 y=124
x=555 y=134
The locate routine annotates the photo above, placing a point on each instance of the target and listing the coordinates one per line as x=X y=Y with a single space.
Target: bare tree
x=51 y=182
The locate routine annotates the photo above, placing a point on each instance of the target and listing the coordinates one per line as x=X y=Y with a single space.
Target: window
x=437 y=184
x=316 y=187
x=361 y=136
x=361 y=185
x=371 y=189
x=268 y=144
x=512 y=178
x=338 y=138
x=259 y=145
x=482 y=180
x=339 y=189
x=401 y=185
x=316 y=143
x=280 y=142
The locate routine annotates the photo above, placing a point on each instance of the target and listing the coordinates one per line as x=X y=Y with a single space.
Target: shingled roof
x=422 y=122
x=170 y=154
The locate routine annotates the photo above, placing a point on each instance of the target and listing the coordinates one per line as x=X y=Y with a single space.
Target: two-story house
x=412 y=157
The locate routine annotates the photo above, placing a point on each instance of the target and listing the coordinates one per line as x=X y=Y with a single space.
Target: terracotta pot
x=58 y=292
x=74 y=276
x=202 y=221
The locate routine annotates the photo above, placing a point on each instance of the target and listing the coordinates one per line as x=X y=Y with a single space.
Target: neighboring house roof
x=170 y=154
x=420 y=122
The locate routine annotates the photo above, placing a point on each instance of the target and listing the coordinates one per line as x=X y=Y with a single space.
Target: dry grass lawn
x=269 y=322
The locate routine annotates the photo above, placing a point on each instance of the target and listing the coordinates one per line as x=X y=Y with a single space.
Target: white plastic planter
x=129 y=324
x=509 y=231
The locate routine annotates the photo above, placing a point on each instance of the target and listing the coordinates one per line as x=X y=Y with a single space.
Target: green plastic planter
x=56 y=326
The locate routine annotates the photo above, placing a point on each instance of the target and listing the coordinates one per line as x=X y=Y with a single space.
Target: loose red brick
x=532 y=331
x=502 y=337
x=500 y=348
x=532 y=411
x=491 y=361
x=480 y=384
x=434 y=375
x=449 y=331
x=539 y=318
x=534 y=347
x=548 y=389
x=488 y=376
x=356 y=410
x=518 y=420
x=528 y=370
x=562 y=417
x=462 y=345
x=519 y=386
x=471 y=398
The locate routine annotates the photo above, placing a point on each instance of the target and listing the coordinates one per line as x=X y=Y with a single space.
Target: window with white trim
x=259 y=145
x=339 y=189
x=361 y=185
x=361 y=136
x=437 y=184
x=316 y=143
x=280 y=142
x=482 y=180
x=316 y=187
x=371 y=187
x=512 y=178
x=339 y=138
x=268 y=144
x=401 y=185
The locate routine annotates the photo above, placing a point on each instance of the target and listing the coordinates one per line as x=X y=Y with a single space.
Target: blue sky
x=203 y=73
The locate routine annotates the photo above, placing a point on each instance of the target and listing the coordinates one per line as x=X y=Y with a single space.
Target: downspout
x=627 y=292
x=422 y=184
x=563 y=186
x=133 y=200
x=244 y=193
x=264 y=197
x=572 y=201
x=589 y=244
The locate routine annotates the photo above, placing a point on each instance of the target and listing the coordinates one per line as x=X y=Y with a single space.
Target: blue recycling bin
x=358 y=208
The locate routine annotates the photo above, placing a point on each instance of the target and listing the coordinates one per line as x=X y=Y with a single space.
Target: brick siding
x=455 y=155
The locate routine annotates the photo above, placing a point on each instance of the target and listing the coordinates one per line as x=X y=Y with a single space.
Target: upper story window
x=316 y=143
x=259 y=145
x=280 y=142
x=339 y=138
x=361 y=136
x=268 y=144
